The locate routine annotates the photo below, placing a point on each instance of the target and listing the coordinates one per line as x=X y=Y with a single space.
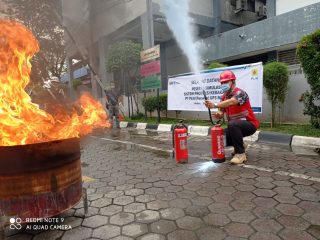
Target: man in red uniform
x=241 y=119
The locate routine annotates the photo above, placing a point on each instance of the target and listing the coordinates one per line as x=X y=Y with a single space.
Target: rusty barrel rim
x=39 y=156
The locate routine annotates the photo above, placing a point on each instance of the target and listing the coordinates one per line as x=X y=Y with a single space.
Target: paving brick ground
x=140 y=193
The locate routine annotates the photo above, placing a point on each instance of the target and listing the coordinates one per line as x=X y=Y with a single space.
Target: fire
x=23 y=122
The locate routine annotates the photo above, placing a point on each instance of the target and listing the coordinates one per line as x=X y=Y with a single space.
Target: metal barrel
x=40 y=180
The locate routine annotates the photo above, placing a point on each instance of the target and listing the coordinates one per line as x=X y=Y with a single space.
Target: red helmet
x=226 y=76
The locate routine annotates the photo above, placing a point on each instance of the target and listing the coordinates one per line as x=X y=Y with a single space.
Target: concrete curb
x=260 y=136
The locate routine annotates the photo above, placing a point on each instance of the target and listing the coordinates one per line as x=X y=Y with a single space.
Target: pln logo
x=254 y=74
x=15 y=223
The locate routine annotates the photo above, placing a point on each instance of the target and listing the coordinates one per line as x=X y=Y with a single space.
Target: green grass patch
x=294 y=129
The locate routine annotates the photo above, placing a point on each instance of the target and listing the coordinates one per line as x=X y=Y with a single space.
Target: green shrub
x=308 y=51
x=214 y=65
x=76 y=83
x=275 y=80
x=150 y=104
x=137 y=116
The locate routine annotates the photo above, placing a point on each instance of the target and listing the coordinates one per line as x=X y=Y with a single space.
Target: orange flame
x=23 y=122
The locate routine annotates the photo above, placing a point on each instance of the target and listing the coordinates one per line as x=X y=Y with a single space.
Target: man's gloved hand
x=217 y=115
x=208 y=104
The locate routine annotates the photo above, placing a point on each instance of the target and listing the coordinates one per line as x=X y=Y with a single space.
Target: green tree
x=150 y=104
x=275 y=81
x=40 y=17
x=214 y=65
x=308 y=51
x=124 y=60
x=163 y=100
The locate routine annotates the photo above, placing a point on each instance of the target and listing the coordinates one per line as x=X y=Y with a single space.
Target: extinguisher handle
x=205 y=98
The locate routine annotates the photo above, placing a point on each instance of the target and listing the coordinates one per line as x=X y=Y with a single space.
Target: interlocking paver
x=265 y=202
x=266 y=212
x=135 y=229
x=172 y=213
x=180 y=203
x=264 y=193
x=91 y=212
x=122 y=238
x=144 y=195
x=293 y=222
x=77 y=233
x=289 y=209
x=123 y=200
x=211 y=233
x=53 y=234
x=291 y=234
x=102 y=202
x=220 y=208
x=201 y=201
x=106 y=232
x=134 y=207
x=145 y=198
x=95 y=221
x=266 y=226
x=110 y=210
x=217 y=219
x=264 y=236
x=187 y=194
x=197 y=211
x=163 y=226
x=152 y=236
x=312 y=217
x=241 y=216
x=182 y=235
x=157 y=205
x=190 y=223
x=314 y=230
x=239 y=230
x=148 y=216
x=121 y=219
x=173 y=189
x=244 y=205
x=166 y=196
x=143 y=185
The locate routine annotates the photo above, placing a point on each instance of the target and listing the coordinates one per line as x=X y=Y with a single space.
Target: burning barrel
x=40 y=169
x=40 y=180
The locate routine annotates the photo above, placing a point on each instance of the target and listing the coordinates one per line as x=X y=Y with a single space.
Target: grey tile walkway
x=140 y=193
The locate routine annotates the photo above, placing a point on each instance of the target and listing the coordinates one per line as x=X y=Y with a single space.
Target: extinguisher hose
x=205 y=98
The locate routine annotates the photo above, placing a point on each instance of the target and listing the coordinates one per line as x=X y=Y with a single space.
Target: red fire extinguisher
x=217 y=144
x=179 y=141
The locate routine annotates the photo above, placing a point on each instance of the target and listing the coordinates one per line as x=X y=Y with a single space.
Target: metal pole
x=151 y=43
x=70 y=73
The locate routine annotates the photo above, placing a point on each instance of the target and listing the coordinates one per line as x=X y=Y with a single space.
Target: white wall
x=283 y=6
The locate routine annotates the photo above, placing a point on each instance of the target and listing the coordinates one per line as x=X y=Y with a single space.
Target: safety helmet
x=227 y=76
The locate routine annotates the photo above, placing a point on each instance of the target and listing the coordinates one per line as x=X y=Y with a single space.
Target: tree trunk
x=135 y=98
x=273 y=112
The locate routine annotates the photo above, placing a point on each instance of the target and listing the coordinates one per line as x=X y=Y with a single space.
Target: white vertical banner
x=185 y=92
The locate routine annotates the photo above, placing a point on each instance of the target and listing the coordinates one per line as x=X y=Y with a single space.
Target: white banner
x=185 y=92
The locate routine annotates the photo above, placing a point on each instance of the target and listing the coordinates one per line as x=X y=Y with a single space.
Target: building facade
x=234 y=31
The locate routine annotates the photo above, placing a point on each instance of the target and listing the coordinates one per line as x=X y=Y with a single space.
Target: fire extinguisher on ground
x=217 y=145
x=179 y=141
